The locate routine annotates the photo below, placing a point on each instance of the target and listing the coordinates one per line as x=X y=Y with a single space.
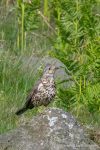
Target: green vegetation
x=64 y=29
x=77 y=46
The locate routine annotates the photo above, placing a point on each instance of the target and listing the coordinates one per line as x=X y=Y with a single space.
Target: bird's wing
x=31 y=94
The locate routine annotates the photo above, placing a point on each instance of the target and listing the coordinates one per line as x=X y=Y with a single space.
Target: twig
x=46 y=21
x=38 y=35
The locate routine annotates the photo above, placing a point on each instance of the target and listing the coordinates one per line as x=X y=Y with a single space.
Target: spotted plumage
x=43 y=92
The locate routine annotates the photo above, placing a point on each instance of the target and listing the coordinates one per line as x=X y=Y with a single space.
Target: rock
x=31 y=64
x=93 y=133
x=52 y=130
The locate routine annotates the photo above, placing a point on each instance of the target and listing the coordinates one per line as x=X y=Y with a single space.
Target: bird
x=43 y=92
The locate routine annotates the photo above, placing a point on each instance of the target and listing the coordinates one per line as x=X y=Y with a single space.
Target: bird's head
x=50 y=69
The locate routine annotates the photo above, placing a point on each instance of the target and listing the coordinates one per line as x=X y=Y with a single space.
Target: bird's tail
x=21 y=111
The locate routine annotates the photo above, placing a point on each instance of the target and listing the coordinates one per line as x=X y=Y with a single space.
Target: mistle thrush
x=43 y=92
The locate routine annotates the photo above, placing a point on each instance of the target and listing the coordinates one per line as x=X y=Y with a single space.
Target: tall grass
x=22 y=29
x=16 y=80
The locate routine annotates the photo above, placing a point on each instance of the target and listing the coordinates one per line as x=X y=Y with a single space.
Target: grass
x=17 y=77
x=15 y=82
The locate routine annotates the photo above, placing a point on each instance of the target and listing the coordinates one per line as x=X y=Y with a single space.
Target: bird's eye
x=49 y=68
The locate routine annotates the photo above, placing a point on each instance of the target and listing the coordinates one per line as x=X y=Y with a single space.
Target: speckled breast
x=45 y=93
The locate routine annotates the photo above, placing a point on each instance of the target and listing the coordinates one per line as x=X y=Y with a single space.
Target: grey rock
x=31 y=65
x=52 y=130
